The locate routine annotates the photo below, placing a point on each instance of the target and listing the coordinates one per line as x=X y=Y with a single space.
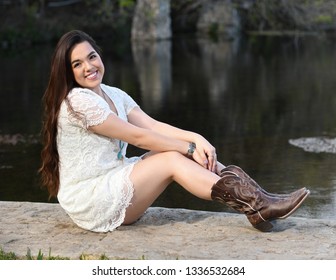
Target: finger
x=200 y=160
x=205 y=160
x=205 y=163
x=212 y=162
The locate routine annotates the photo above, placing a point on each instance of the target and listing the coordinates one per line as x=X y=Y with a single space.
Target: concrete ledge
x=163 y=234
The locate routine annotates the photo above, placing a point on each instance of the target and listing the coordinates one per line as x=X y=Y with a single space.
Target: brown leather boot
x=241 y=173
x=260 y=208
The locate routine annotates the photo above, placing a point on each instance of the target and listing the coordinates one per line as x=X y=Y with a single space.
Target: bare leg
x=153 y=174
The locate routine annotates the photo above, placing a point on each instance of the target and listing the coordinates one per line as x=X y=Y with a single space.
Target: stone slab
x=164 y=234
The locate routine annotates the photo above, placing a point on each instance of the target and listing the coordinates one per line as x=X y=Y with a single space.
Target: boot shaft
x=246 y=196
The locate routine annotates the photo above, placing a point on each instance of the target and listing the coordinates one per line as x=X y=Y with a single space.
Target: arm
x=204 y=148
x=147 y=139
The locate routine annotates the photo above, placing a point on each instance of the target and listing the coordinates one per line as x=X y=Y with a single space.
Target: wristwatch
x=192 y=147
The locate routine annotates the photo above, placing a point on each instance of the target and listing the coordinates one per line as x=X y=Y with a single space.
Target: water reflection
x=152 y=61
x=247 y=97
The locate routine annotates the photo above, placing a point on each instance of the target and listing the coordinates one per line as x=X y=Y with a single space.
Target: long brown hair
x=61 y=82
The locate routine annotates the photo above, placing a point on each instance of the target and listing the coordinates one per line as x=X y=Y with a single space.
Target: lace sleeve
x=87 y=109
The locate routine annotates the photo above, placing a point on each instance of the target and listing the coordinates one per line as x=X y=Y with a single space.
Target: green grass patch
x=40 y=256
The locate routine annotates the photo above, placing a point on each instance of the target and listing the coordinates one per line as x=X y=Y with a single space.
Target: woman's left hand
x=207 y=153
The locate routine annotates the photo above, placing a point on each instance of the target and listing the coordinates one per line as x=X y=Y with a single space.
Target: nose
x=88 y=66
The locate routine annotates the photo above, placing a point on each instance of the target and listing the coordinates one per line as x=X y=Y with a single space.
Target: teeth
x=93 y=75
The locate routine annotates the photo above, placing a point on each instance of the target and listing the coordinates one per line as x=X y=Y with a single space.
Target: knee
x=173 y=156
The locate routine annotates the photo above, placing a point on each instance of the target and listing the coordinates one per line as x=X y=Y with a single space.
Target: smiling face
x=87 y=66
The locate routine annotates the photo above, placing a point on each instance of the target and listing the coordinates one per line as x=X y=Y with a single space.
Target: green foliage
x=40 y=256
x=12 y=256
x=84 y=257
x=29 y=23
x=324 y=19
x=7 y=256
x=303 y=15
x=271 y=15
x=30 y=257
x=126 y=3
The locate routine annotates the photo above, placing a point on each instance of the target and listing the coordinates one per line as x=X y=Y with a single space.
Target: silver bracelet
x=192 y=147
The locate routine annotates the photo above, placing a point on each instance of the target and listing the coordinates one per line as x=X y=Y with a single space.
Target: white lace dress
x=95 y=188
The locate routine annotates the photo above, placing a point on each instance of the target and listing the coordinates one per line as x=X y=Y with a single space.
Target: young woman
x=87 y=127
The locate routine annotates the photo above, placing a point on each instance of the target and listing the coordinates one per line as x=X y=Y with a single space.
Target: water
x=248 y=97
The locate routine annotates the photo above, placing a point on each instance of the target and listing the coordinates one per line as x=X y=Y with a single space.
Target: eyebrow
x=76 y=60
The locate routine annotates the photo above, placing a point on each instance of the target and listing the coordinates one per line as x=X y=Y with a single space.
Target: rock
x=164 y=234
x=296 y=16
x=315 y=144
x=219 y=18
x=151 y=20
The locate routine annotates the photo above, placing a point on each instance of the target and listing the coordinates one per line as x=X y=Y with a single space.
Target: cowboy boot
x=259 y=208
x=241 y=173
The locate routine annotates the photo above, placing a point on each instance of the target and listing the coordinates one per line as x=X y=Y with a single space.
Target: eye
x=93 y=56
x=76 y=65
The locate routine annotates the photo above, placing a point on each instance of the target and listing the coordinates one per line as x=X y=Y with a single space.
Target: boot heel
x=264 y=226
x=258 y=222
x=247 y=197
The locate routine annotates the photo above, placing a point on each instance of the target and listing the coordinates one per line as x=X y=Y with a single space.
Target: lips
x=92 y=76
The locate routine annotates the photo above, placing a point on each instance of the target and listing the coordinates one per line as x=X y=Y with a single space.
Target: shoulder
x=85 y=99
x=80 y=91
x=78 y=94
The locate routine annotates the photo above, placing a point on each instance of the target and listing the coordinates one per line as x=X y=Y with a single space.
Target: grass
x=7 y=256
x=40 y=256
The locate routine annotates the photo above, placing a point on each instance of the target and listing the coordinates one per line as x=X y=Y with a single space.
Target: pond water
x=248 y=97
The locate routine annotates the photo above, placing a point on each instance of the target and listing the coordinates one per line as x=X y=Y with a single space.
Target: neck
x=98 y=90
